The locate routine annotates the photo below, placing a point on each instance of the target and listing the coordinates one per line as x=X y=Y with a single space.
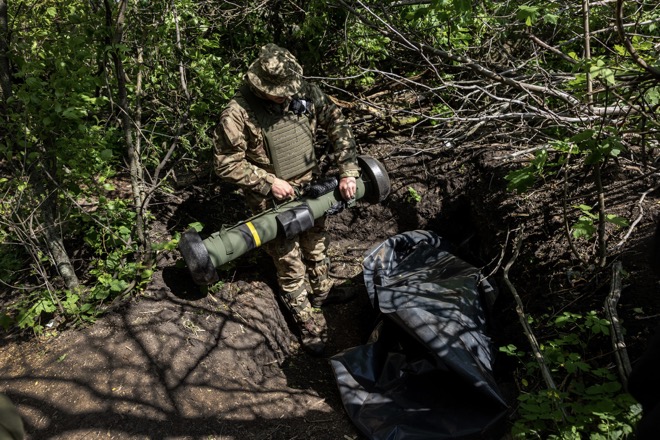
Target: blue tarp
x=426 y=372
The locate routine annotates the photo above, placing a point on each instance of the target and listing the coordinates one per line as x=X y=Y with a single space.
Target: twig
x=536 y=350
x=552 y=49
x=567 y=227
x=620 y=352
x=521 y=152
x=628 y=44
x=640 y=203
x=499 y=261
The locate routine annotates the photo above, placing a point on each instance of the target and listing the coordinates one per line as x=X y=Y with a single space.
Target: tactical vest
x=289 y=139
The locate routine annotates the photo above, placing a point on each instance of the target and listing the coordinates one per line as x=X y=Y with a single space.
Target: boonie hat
x=275 y=72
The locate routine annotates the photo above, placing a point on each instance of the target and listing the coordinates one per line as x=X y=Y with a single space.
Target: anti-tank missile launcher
x=204 y=256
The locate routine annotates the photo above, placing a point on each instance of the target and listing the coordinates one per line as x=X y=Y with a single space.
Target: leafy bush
x=589 y=402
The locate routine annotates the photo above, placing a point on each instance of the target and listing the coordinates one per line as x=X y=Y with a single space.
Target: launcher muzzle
x=287 y=220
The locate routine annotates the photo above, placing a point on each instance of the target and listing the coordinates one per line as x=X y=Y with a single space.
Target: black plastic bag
x=426 y=371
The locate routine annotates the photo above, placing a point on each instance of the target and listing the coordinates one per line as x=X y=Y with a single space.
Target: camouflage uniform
x=241 y=156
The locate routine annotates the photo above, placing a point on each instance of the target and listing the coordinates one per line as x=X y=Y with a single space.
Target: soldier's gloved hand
x=347 y=187
x=281 y=189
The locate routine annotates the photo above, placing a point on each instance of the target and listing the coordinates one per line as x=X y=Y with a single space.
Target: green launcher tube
x=203 y=257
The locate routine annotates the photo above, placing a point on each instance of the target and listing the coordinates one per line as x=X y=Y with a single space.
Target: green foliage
x=217 y=287
x=447 y=23
x=596 y=148
x=413 y=197
x=12 y=260
x=174 y=242
x=599 y=69
x=652 y=96
x=527 y=14
x=586 y=224
x=30 y=313
x=63 y=125
x=588 y=148
x=522 y=179
x=368 y=48
x=588 y=144
x=109 y=236
x=589 y=394
x=37 y=310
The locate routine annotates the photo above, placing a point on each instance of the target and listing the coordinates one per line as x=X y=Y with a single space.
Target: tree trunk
x=55 y=243
x=5 y=78
x=135 y=167
x=51 y=230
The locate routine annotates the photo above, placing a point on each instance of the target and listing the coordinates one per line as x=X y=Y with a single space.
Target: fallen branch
x=479 y=69
x=620 y=352
x=628 y=43
x=536 y=350
x=640 y=204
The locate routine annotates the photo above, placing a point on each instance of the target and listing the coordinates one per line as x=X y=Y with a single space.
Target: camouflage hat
x=275 y=72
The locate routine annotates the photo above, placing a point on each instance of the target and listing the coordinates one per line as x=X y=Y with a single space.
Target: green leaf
x=599 y=69
x=106 y=154
x=197 y=226
x=520 y=180
x=584 y=228
x=71 y=113
x=551 y=18
x=586 y=210
x=462 y=6
x=118 y=286
x=605 y=388
x=621 y=50
x=583 y=136
x=652 y=95
x=5 y=321
x=616 y=220
x=101 y=293
x=527 y=14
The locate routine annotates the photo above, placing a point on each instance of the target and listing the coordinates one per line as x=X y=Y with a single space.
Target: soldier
x=264 y=143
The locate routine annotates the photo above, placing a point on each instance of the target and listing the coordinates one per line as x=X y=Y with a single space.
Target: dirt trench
x=180 y=362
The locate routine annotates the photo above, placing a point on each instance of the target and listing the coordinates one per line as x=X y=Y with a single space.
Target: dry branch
x=629 y=47
x=620 y=352
x=640 y=204
x=527 y=329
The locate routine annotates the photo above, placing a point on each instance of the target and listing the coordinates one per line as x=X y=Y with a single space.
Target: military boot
x=323 y=288
x=312 y=328
x=336 y=295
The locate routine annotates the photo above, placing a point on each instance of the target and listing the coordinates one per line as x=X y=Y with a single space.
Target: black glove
x=321 y=186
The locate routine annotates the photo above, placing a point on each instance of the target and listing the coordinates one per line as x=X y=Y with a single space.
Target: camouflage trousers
x=302 y=262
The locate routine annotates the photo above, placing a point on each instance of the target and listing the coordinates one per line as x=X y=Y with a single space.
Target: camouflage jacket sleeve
x=239 y=152
x=331 y=119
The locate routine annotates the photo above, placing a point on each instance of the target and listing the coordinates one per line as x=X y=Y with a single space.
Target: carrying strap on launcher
x=288 y=137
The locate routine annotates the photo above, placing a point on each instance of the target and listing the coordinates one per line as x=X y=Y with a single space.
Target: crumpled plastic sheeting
x=426 y=371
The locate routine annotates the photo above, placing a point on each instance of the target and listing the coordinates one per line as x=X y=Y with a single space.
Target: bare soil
x=179 y=362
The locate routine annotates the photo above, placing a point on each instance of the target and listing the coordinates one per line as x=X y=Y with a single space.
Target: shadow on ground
x=179 y=363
